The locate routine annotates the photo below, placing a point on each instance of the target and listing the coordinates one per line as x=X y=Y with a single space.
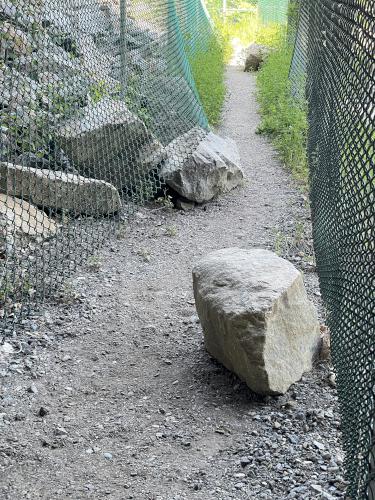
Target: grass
x=208 y=66
x=208 y=69
x=282 y=118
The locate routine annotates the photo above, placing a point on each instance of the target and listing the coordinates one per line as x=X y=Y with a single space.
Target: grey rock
x=33 y=389
x=201 y=169
x=151 y=155
x=104 y=142
x=43 y=411
x=59 y=190
x=255 y=56
x=32 y=160
x=256 y=317
x=185 y=205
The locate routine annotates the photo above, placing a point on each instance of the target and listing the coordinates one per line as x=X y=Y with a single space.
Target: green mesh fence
x=334 y=55
x=93 y=94
x=273 y=11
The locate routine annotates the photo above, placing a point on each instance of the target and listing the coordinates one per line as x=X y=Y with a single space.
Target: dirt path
x=136 y=409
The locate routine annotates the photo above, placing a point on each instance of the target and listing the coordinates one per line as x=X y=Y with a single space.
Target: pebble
x=245 y=461
x=107 y=456
x=239 y=486
x=291 y=405
x=33 y=389
x=239 y=475
x=317 y=488
x=318 y=445
x=43 y=411
x=60 y=431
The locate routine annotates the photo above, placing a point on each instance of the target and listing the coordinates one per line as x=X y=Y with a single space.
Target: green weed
x=171 y=231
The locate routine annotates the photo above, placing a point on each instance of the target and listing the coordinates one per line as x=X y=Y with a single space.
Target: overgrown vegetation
x=240 y=28
x=283 y=119
x=208 y=71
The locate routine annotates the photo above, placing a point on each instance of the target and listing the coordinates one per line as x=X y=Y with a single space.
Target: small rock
x=239 y=486
x=185 y=205
x=293 y=439
x=332 y=380
x=291 y=405
x=316 y=487
x=107 y=456
x=239 y=475
x=245 y=461
x=319 y=446
x=43 y=411
x=60 y=431
x=33 y=389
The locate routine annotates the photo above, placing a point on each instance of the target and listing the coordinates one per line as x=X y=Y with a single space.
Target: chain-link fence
x=92 y=94
x=335 y=57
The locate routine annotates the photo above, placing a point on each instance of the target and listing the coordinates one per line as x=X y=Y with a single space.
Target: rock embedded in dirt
x=256 y=317
x=185 y=205
x=59 y=190
x=201 y=168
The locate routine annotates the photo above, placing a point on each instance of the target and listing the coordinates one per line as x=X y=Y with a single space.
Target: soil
x=114 y=396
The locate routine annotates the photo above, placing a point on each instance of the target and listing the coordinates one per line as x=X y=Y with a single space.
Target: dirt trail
x=136 y=407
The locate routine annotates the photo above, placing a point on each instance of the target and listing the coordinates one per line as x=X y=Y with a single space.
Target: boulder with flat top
x=256 y=317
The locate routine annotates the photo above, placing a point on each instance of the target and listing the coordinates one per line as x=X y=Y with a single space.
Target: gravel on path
x=114 y=395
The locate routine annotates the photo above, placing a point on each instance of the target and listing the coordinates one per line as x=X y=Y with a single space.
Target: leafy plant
x=98 y=91
x=171 y=231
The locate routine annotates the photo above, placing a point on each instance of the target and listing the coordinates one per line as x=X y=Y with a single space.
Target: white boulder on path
x=256 y=317
x=201 y=166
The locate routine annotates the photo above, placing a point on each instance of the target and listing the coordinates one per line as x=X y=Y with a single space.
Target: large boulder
x=104 y=141
x=59 y=190
x=202 y=168
x=254 y=56
x=256 y=317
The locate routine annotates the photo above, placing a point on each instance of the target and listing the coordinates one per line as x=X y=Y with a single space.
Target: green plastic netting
x=335 y=57
x=92 y=95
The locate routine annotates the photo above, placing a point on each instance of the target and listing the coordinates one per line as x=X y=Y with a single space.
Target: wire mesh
x=91 y=94
x=334 y=55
